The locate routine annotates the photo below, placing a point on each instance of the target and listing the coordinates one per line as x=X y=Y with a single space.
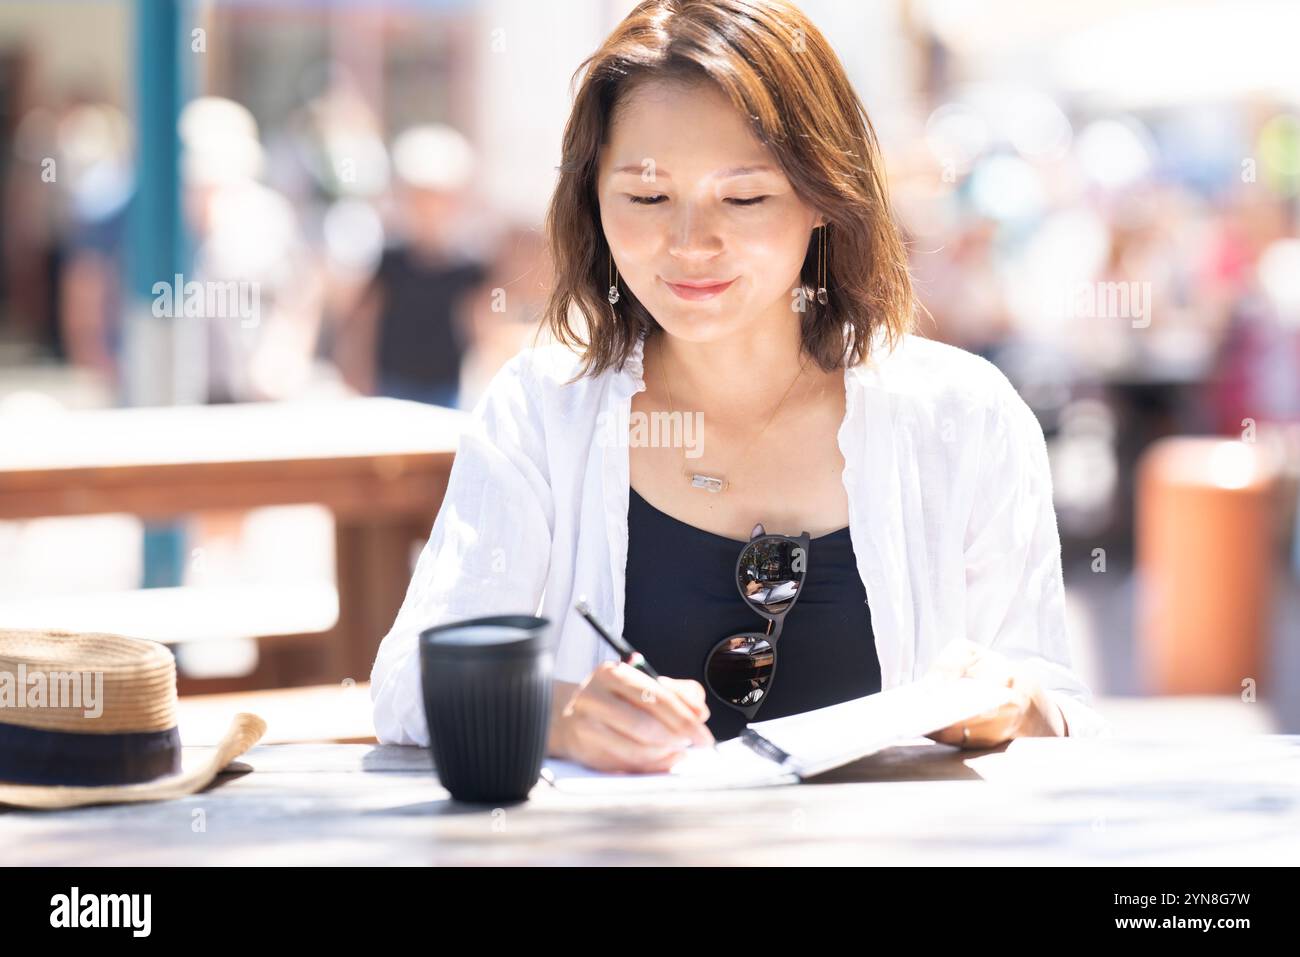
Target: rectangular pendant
x=707 y=482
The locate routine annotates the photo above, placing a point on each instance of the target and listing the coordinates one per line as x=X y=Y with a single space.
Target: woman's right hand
x=621 y=719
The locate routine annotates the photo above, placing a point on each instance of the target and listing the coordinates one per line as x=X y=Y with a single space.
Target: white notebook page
x=829 y=737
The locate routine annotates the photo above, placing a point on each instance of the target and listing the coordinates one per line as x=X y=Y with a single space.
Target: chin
x=697 y=325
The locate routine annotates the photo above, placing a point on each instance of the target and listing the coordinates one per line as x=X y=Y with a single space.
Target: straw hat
x=91 y=719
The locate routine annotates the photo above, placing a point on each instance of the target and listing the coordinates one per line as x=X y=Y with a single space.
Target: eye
x=645 y=200
x=748 y=202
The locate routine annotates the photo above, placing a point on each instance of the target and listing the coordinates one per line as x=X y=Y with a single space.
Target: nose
x=694 y=236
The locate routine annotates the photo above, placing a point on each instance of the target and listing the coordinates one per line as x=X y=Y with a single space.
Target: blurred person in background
x=246 y=237
x=30 y=203
x=408 y=334
x=1258 y=371
x=67 y=191
x=330 y=160
x=95 y=142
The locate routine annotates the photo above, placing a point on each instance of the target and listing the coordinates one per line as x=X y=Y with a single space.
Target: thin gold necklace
x=719 y=483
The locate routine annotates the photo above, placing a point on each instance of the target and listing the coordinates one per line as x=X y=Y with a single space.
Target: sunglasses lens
x=740 y=668
x=771 y=573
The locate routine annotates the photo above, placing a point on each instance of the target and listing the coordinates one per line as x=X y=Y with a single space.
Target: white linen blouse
x=950 y=516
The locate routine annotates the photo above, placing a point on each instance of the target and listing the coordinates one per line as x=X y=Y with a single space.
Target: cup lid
x=490 y=636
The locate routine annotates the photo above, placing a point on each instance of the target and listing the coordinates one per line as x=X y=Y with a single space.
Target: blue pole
x=157 y=247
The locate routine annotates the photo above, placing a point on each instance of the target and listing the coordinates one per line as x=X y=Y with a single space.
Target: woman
x=722 y=237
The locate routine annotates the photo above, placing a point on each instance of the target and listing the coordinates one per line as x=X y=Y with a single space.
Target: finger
x=605 y=706
x=986 y=729
x=998 y=724
x=610 y=750
x=638 y=759
x=638 y=717
x=949 y=735
x=990 y=733
x=693 y=693
x=970 y=734
x=1024 y=716
x=660 y=699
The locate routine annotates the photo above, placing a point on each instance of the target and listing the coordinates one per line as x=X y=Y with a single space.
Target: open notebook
x=791 y=749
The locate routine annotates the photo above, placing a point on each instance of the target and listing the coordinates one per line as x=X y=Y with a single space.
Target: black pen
x=626 y=653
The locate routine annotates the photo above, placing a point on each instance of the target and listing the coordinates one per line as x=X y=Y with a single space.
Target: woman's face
x=687 y=193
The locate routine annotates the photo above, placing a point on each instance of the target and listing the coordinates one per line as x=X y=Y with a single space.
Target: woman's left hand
x=1026 y=710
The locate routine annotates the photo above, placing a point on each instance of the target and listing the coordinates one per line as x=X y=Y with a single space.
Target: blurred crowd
x=373 y=261
x=1136 y=274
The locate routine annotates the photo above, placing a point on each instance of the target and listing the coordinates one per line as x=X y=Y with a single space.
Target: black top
x=682 y=599
x=418 y=338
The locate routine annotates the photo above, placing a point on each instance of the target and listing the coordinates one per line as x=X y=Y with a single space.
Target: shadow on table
x=909 y=762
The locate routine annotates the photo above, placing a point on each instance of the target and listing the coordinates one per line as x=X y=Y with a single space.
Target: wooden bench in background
x=379 y=465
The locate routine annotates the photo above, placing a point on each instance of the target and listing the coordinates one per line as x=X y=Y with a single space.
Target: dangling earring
x=821 y=266
x=613 y=281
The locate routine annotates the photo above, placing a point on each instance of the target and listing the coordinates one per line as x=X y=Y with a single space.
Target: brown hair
x=777 y=68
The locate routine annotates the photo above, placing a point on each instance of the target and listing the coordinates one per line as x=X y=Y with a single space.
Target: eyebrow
x=637 y=168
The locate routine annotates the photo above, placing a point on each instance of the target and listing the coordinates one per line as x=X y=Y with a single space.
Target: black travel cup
x=487 y=701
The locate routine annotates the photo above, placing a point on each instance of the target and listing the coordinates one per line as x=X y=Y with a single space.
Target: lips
x=696 y=289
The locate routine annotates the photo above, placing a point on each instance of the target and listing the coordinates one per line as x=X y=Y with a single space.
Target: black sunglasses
x=770 y=573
